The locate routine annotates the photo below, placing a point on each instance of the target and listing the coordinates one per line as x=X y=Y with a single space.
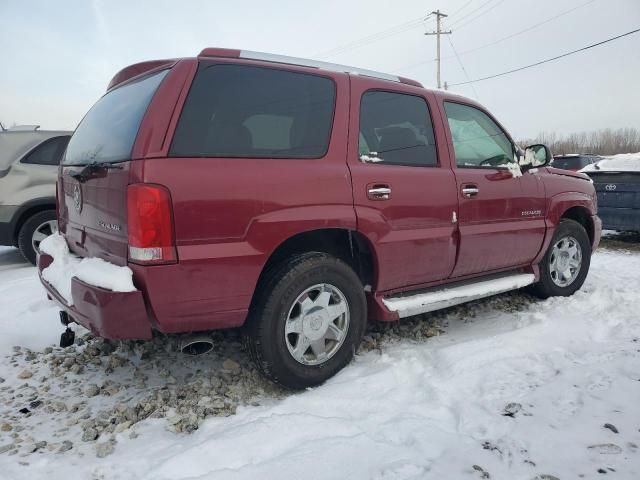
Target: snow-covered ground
x=514 y=389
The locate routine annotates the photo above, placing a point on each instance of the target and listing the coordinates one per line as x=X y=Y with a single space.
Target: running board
x=447 y=297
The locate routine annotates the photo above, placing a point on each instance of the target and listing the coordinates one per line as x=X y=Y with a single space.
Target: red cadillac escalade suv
x=298 y=199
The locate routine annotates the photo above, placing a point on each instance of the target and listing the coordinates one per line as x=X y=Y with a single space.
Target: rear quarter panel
x=231 y=213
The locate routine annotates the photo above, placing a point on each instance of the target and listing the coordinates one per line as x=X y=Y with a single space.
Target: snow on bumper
x=93 y=271
x=97 y=294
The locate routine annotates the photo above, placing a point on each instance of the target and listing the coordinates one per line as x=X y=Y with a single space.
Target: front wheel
x=307 y=320
x=565 y=265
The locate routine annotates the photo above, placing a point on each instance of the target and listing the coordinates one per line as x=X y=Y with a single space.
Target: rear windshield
x=108 y=131
x=570 y=162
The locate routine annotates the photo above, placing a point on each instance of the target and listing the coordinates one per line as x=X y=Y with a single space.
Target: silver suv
x=29 y=160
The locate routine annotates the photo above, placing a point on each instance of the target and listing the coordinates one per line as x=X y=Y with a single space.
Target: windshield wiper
x=92 y=168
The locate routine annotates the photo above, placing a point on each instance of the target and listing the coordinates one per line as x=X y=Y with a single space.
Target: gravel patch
x=85 y=397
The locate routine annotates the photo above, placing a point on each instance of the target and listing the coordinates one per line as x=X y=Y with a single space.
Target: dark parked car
x=617 y=182
x=299 y=199
x=574 y=161
x=29 y=159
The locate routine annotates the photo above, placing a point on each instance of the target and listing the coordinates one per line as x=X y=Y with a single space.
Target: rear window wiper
x=92 y=168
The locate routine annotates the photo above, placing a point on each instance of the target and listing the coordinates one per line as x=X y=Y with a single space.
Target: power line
x=403 y=27
x=464 y=69
x=473 y=19
x=528 y=29
x=471 y=13
x=500 y=40
x=462 y=8
x=548 y=59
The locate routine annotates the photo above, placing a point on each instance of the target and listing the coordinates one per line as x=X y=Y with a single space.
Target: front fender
x=560 y=203
x=556 y=208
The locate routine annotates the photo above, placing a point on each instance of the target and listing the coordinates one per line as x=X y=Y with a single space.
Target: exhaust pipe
x=196 y=344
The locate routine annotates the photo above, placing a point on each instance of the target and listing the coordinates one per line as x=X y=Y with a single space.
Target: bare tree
x=600 y=142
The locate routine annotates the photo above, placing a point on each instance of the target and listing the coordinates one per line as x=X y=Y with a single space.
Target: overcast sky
x=58 y=57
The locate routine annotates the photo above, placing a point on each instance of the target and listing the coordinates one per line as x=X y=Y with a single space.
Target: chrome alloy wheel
x=317 y=324
x=565 y=261
x=43 y=231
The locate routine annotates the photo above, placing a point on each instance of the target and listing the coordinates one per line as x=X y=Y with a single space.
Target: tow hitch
x=68 y=336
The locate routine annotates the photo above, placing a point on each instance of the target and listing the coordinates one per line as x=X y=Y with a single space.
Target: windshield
x=109 y=129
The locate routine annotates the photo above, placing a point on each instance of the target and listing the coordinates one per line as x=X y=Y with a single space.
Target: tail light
x=150 y=224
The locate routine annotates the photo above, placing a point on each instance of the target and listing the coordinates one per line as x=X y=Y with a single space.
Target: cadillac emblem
x=77 y=197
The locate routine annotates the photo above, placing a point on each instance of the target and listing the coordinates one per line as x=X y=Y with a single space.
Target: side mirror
x=536 y=156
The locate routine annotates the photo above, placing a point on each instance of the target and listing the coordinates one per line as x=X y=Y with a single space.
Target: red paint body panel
x=231 y=214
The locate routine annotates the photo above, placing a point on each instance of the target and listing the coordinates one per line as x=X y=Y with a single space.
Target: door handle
x=470 y=191
x=379 y=192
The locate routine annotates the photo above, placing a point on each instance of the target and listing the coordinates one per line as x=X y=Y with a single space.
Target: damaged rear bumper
x=107 y=314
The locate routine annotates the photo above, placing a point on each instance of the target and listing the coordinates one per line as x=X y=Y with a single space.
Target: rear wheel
x=35 y=229
x=307 y=321
x=565 y=265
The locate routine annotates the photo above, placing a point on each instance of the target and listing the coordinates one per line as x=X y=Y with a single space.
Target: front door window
x=477 y=139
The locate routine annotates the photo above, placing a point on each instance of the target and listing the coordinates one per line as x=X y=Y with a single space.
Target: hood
x=567 y=173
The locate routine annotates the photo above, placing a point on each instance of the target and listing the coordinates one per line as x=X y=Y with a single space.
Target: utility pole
x=438 y=32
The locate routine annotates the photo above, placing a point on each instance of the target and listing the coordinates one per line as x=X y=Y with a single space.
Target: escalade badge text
x=531 y=213
x=77 y=197
x=110 y=226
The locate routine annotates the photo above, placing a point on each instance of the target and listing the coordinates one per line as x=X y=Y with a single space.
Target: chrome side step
x=449 y=296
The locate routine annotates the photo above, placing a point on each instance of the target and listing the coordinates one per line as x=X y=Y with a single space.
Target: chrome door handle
x=470 y=191
x=379 y=193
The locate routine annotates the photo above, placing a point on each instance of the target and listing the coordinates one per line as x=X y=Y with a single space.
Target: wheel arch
x=576 y=206
x=29 y=209
x=349 y=245
x=581 y=215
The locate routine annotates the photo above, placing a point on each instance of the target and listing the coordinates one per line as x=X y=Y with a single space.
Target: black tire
x=27 y=230
x=264 y=331
x=546 y=286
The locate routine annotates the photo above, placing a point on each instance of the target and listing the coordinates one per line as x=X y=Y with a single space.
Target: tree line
x=600 y=142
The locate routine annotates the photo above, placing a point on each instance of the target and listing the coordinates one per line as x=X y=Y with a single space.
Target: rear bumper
x=114 y=315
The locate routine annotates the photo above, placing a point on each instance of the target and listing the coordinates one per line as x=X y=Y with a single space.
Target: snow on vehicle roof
x=624 y=162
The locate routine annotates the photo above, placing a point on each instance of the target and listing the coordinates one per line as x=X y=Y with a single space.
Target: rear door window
x=255 y=112
x=396 y=129
x=48 y=152
x=108 y=131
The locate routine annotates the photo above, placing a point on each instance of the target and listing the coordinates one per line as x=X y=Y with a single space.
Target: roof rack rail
x=304 y=62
